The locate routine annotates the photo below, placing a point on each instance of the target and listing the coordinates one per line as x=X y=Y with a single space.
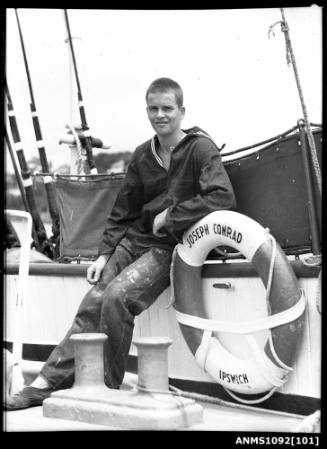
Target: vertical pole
x=22 y=288
x=71 y=112
x=18 y=177
x=315 y=242
x=84 y=125
x=50 y=191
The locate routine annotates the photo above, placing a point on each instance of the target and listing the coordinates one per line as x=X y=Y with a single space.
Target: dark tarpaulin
x=84 y=206
x=270 y=187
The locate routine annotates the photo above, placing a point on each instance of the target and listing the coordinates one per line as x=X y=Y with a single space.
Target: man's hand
x=158 y=222
x=95 y=270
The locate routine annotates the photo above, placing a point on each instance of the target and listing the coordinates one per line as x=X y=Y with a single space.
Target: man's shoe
x=28 y=397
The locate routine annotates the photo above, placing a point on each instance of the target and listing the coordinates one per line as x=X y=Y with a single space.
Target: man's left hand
x=158 y=222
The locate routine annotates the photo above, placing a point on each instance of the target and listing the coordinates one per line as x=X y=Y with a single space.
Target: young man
x=173 y=180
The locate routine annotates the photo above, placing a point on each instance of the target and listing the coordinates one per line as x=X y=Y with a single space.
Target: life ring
x=268 y=368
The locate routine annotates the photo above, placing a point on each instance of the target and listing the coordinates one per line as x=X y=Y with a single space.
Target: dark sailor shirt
x=195 y=185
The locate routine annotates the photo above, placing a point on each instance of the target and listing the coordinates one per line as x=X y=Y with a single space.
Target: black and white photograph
x=162 y=215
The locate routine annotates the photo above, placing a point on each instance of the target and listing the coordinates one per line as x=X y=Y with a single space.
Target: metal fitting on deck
x=153 y=363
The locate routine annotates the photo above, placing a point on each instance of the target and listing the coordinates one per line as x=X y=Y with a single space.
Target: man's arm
x=126 y=209
x=95 y=270
x=215 y=191
x=159 y=222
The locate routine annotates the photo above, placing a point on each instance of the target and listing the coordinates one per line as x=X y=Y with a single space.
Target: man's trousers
x=131 y=281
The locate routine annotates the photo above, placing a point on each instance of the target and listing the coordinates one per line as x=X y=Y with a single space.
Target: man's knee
x=122 y=300
x=114 y=299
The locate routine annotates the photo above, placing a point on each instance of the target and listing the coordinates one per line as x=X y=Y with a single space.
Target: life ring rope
x=264 y=363
x=257 y=355
x=272 y=264
x=202 y=351
x=251 y=401
x=277 y=359
x=260 y=359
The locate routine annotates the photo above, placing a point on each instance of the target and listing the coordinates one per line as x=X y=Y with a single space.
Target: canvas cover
x=84 y=206
x=270 y=187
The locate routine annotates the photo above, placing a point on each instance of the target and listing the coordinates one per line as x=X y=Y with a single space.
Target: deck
x=217 y=416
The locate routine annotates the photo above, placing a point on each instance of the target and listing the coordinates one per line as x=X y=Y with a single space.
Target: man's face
x=164 y=113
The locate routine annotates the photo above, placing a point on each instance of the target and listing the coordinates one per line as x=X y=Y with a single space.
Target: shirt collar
x=154 y=151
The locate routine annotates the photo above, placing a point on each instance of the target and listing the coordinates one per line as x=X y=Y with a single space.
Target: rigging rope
x=291 y=60
x=271 y=139
x=268 y=291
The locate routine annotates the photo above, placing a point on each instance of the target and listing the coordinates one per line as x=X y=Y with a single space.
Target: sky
x=236 y=81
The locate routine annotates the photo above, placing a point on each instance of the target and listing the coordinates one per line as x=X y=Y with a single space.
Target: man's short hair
x=165 y=85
